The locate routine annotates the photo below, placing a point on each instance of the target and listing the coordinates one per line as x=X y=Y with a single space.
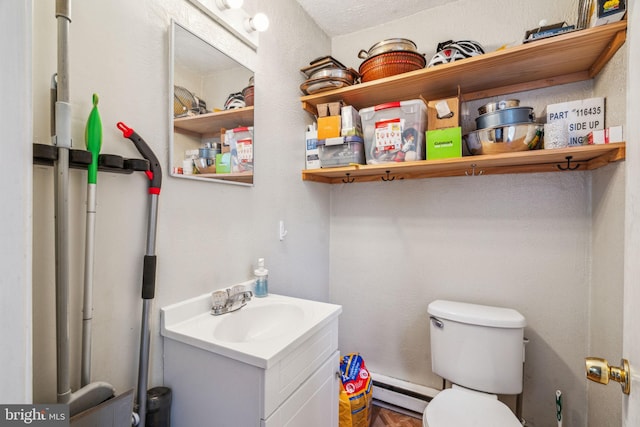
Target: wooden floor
x=382 y=417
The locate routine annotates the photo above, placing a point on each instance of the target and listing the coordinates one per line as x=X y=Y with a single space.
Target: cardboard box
x=351 y=121
x=312 y=158
x=443 y=113
x=444 y=143
x=223 y=163
x=580 y=117
x=606 y=11
x=329 y=109
x=329 y=126
x=606 y=136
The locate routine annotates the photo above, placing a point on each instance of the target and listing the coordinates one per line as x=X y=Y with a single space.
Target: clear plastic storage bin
x=394 y=132
x=341 y=151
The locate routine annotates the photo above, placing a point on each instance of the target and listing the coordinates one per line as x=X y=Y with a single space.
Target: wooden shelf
x=567 y=58
x=211 y=123
x=580 y=158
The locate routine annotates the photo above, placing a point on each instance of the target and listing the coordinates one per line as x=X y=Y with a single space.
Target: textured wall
x=549 y=245
x=209 y=235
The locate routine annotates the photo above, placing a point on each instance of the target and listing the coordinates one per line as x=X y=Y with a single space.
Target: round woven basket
x=389 y=64
x=247 y=93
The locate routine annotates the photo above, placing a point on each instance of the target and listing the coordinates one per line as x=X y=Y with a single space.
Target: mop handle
x=155 y=171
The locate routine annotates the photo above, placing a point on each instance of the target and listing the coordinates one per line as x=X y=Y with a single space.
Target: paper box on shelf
x=329 y=127
x=443 y=113
x=444 y=143
x=223 y=163
x=580 y=117
x=351 y=122
x=329 y=109
x=606 y=11
x=606 y=136
x=312 y=158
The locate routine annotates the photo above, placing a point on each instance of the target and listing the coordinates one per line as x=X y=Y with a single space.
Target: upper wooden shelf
x=580 y=158
x=567 y=58
x=211 y=123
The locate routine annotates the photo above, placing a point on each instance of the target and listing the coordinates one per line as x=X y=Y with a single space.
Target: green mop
x=93 y=139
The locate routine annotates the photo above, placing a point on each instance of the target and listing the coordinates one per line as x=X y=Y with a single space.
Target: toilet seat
x=455 y=407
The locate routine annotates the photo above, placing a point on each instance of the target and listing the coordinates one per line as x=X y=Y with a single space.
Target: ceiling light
x=259 y=22
x=229 y=4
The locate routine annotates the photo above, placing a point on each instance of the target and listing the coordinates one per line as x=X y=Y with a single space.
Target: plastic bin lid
x=345 y=139
x=455 y=407
x=475 y=314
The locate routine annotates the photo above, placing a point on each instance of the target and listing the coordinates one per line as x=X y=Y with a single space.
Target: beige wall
x=533 y=242
x=209 y=235
x=549 y=245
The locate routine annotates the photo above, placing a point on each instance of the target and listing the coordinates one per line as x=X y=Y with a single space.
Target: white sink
x=259 y=321
x=261 y=333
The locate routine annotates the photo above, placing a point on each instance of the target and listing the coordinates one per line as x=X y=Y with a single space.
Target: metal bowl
x=499 y=105
x=388 y=45
x=505 y=117
x=504 y=139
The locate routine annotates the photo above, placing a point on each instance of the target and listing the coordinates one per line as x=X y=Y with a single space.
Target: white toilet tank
x=477 y=346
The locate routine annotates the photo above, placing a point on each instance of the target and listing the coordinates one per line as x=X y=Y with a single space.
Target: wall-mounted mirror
x=211 y=136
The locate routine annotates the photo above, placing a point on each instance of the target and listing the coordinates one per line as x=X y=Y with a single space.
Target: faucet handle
x=219 y=298
x=238 y=289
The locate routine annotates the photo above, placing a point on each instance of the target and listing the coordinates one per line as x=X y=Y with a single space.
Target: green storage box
x=444 y=143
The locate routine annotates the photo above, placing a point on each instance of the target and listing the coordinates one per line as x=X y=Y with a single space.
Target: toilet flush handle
x=437 y=322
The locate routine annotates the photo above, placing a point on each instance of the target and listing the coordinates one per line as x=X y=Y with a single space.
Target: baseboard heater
x=401 y=394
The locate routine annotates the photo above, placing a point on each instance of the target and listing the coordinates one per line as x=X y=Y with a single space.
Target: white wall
x=15 y=199
x=631 y=345
x=209 y=235
x=549 y=245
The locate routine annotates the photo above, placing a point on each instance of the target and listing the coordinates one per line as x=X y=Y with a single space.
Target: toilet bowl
x=480 y=350
x=460 y=407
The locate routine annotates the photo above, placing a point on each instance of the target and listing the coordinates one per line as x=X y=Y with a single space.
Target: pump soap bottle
x=261 y=279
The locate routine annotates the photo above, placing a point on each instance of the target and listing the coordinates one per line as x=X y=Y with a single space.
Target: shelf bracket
x=348 y=179
x=568 y=166
x=473 y=171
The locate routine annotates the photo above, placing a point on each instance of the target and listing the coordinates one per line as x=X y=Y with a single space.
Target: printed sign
x=578 y=117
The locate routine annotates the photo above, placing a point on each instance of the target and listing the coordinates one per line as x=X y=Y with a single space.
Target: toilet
x=479 y=349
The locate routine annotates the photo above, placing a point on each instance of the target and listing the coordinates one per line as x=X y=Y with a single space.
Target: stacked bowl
x=504 y=127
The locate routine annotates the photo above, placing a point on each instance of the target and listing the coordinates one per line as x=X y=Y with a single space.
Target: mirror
x=211 y=136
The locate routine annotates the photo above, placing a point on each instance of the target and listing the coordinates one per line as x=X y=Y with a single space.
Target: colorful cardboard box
x=329 y=127
x=444 y=143
x=443 y=113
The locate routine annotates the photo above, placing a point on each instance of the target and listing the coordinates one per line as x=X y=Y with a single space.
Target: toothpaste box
x=579 y=117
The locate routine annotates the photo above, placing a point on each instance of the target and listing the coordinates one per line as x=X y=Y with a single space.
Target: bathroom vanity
x=272 y=363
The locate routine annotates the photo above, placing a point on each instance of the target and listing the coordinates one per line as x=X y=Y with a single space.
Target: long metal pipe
x=63 y=142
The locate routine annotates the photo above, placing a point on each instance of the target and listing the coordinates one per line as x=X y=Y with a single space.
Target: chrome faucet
x=230 y=299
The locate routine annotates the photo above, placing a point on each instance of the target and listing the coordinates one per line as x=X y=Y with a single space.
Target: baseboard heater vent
x=401 y=394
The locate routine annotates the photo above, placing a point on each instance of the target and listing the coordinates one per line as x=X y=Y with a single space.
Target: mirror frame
x=244 y=115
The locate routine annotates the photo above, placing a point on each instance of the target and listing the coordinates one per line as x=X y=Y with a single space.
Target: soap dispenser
x=261 y=279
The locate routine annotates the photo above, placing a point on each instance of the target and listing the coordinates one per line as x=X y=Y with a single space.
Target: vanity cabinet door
x=308 y=405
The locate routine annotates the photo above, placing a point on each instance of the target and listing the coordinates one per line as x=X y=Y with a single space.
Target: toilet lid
x=459 y=408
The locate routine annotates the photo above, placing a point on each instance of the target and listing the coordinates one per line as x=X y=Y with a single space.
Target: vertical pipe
x=63 y=141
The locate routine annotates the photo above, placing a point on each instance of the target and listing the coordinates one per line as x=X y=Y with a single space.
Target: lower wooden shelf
x=586 y=157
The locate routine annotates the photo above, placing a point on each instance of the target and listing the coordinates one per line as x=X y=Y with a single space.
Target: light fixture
x=230 y=15
x=229 y=4
x=259 y=22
